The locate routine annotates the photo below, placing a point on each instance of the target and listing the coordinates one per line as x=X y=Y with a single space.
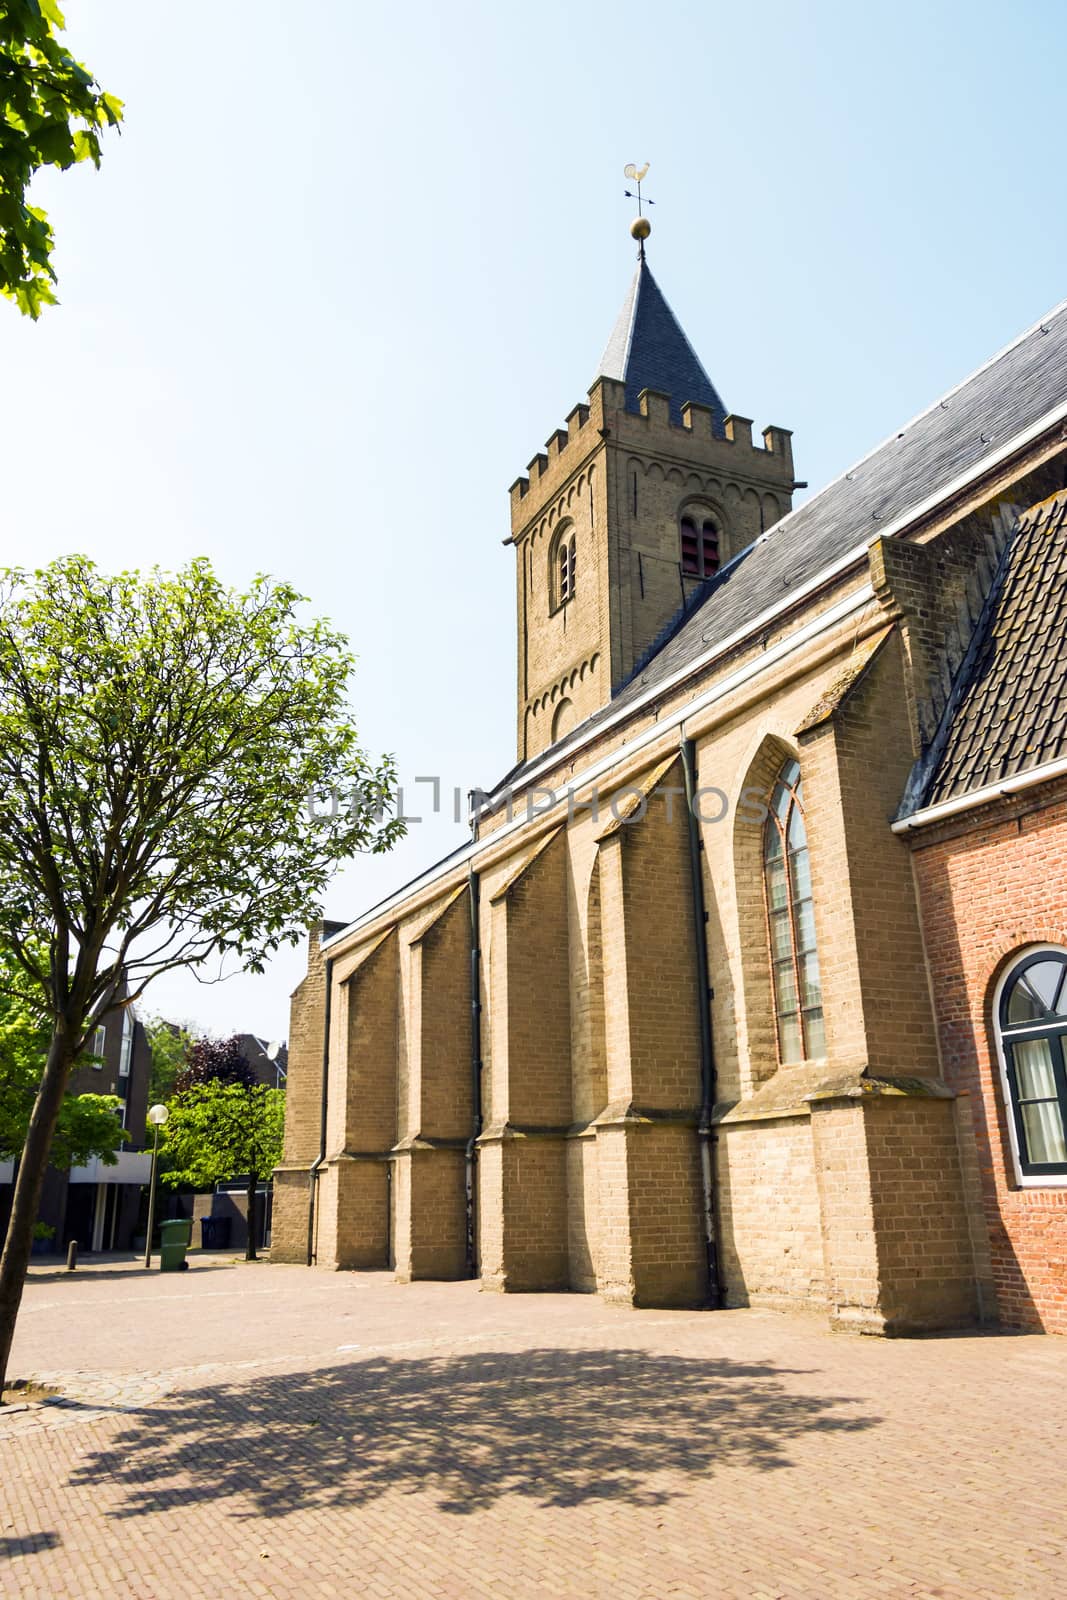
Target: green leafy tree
x=170 y=751
x=53 y=112
x=169 y=1044
x=220 y=1130
x=88 y=1125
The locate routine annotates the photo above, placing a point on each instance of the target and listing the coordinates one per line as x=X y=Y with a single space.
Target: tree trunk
x=250 y=1248
x=33 y=1163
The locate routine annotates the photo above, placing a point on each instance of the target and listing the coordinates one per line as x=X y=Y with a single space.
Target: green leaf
x=86 y=146
x=50 y=110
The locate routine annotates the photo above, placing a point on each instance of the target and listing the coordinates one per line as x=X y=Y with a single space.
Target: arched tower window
x=563 y=568
x=700 y=545
x=1032 y=1024
x=791 y=922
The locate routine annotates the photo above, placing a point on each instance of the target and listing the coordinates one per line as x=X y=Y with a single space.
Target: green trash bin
x=174 y=1240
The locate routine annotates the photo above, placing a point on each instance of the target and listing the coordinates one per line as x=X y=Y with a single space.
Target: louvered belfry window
x=565 y=571
x=700 y=547
x=791 y=923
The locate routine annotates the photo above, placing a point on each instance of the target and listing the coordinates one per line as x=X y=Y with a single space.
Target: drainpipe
x=313 y=1173
x=389 y=1261
x=707 y=1046
x=470 y=1150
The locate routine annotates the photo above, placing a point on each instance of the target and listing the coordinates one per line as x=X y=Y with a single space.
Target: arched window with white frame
x=1031 y=1023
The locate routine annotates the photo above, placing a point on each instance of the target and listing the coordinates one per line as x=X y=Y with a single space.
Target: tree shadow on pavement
x=559 y=1426
x=28 y=1544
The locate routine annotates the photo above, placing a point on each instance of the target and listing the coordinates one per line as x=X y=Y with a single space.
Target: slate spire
x=648 y=350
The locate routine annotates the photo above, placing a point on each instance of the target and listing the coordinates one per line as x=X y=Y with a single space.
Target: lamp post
x=157 y=1116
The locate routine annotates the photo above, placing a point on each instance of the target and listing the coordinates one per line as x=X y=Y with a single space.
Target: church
x=750 y=987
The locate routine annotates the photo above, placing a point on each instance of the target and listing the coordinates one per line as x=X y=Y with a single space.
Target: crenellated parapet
x=730 y=453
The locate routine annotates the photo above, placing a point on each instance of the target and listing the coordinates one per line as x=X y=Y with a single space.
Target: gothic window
x=791 y=923
x=700 y=546
x=563 y=569
x=1032 y=1024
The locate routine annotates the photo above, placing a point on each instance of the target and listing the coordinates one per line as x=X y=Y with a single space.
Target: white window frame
x=126 y=1047
x=1039 y=1180
x=98 y=1046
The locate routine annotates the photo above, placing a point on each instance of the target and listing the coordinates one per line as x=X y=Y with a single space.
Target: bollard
x=72 y=1255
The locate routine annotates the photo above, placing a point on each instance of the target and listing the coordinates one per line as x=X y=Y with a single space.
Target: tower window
x=564 y=569
x=791 y=923
x=700 y=547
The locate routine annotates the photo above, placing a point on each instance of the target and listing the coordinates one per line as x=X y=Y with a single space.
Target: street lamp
x=157 y=1116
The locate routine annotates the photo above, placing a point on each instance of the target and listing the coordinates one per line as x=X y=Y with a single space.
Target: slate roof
x=648 y=350
x=1016 y=389
x=1007 y=711
x=254 y=1049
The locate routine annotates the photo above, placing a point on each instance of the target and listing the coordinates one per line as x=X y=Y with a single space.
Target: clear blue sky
x=349 y=265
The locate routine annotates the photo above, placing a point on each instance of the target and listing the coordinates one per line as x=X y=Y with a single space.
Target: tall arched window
x=700 y=545
x=564 y=568
x=1032 y=1024
x=791 y=923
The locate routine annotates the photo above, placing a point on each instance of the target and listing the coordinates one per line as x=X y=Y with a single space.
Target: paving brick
x=265 y=1430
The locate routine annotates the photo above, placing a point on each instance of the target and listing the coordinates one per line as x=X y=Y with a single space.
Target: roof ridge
x=927 y=766
x=897 y=433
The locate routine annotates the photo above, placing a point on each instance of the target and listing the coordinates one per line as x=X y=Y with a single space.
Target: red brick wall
x=991 y=883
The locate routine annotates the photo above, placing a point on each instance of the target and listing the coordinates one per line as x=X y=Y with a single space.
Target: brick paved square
x=266 y=1430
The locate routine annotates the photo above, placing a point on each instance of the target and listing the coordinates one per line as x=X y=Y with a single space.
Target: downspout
x=313 y=1172
x=707 y=1045
x=470 y=1150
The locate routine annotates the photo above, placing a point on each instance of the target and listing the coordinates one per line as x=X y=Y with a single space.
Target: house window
x=97 y=1046
x=564 y=563
x=700 y=546
x=791 y=923
x=1032 y=1024
x=126 y=1048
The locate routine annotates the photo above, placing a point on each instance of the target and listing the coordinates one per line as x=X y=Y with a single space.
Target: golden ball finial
x=640 y=228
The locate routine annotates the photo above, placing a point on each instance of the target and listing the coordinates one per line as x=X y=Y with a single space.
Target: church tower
x=628 y=515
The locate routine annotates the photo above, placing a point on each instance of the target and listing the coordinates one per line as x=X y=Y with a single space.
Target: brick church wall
x=769 y=1215
x=289 y=1229
x=991 y=883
